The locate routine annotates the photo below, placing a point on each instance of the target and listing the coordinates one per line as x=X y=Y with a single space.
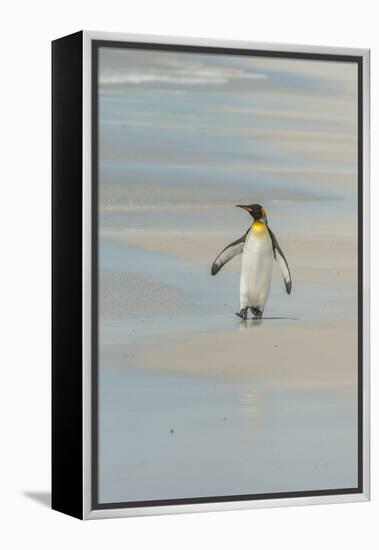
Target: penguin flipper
x=281 y=260
x=234 y=248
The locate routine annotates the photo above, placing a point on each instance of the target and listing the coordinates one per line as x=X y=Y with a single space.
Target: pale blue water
x=175 y=436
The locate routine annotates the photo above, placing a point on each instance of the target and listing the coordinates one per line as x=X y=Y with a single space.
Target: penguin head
x=255 y=210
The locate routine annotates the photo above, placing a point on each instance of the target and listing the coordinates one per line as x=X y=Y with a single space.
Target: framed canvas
x=208 y=357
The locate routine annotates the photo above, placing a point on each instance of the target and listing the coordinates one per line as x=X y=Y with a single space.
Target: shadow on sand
x=250 y=323
x=251 y=319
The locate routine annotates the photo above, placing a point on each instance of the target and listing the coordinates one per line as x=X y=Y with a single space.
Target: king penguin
x=259 y=247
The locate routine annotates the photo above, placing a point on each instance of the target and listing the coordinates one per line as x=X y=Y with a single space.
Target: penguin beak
x=244 y=207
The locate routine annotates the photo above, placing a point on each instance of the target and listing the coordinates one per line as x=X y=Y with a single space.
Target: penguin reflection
x=259 y=247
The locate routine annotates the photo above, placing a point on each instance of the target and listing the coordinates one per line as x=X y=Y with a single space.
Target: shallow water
x=166 y=435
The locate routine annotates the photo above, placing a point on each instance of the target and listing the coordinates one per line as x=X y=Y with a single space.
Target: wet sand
x=195 y=402
x=279 y=353
x=288 y=348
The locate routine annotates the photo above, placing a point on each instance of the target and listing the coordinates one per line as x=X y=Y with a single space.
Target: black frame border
x=216 y=50
x=67 y=292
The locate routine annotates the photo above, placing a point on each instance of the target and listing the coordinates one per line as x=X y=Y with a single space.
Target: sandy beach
x=292 y=351
x=192 y=401
x=288 y=354
x=175 y=357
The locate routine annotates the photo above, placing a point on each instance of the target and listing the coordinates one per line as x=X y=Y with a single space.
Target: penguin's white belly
x=256 y=270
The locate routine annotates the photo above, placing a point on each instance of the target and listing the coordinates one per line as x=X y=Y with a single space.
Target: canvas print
x=227 y=284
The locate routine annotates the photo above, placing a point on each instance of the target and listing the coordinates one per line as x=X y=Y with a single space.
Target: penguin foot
x=242 y=313
x=257 y=313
